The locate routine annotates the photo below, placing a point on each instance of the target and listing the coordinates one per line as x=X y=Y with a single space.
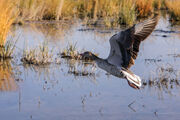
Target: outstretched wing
x=132 y=37
x=125 y=44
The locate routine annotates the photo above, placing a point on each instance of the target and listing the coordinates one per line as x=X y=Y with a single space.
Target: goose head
x=88 y=56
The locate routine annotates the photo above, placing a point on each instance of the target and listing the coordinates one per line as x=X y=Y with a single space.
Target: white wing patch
x=132 y=78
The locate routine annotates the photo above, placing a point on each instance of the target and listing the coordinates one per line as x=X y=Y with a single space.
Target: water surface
x=54 y=92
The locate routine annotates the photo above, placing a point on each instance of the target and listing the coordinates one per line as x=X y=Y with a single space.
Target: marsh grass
x=174 y=9
x=7 y=17
x=157 y=4
x=167 y=79
x=7 y=50
x=40 y=9
x=127 y=12
x=42 y=55
x=111 y=12
x=71 y=52
x=144 y=7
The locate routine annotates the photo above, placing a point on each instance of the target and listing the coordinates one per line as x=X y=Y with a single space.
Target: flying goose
x=124 y=50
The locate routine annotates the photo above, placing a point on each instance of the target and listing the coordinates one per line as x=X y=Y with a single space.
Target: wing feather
x=131 y=38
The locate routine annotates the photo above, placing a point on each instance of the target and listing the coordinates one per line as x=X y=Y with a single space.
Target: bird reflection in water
x=7 y=80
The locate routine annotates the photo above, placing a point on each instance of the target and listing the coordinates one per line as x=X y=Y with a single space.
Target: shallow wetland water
x=55 y=92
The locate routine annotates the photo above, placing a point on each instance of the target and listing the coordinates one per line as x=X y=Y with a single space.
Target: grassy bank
x=111 y=12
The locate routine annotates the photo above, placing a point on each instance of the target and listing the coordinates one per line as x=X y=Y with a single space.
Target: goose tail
x=132 y=78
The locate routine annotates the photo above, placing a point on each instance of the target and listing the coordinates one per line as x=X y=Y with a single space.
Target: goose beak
x=86 y=56
x=83 y=56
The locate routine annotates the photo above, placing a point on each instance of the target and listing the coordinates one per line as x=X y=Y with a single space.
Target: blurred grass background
x=111 y=12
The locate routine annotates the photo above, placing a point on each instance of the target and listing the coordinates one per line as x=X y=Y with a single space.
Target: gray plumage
x=125 y=44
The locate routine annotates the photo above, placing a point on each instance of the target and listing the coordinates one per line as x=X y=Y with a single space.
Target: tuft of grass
x=41 y=55
x=7 y=50
x=174 y=9
x=7 y=17
x=71 y=52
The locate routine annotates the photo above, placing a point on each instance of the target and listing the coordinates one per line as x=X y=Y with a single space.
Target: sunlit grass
x=127 y=12
x=40 y=9
x=71 y=52
x=111 y=12
x=41 y=55
x=174 y=9
x=7 y=50
x=157 y=4
x=144 y=7
x=7 y=17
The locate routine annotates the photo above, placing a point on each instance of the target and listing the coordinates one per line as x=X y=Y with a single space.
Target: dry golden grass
x=7 y=16
x=174 y=9
x=112 y=12
x=157 y=4
x=144 y=7
x=40 y=9
x=41 y=55
x=67 y=9
x=127 y=12
x=71 y=52
x=7 y=50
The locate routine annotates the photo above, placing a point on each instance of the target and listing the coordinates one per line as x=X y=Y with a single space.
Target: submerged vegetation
x=165 y=79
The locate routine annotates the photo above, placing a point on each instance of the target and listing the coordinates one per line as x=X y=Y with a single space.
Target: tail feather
x=132 y=78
